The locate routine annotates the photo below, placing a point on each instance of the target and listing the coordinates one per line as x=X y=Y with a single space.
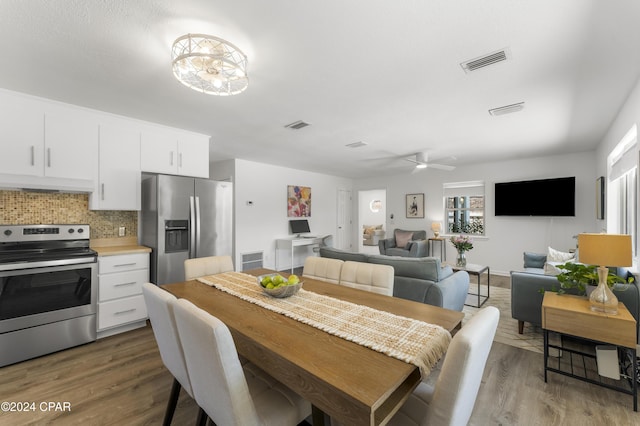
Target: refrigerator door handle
x=197 y=226
x=192 y=228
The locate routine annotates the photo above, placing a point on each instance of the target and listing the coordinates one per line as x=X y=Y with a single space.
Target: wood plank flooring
x=120 y=380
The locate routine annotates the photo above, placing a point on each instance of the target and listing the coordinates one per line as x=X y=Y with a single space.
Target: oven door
x=32 y=297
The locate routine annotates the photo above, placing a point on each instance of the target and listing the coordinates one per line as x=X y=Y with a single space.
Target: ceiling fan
x=421 y=160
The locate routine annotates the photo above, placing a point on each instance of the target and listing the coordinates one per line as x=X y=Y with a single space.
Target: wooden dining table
x=349 y=382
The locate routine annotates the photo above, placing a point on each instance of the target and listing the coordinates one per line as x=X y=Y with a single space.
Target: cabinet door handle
x=33 y=155
x=123 y=284
x=180 y=160
x=171 y=158
x=102 y=190
x=48 y=157
x=125 y=312
x=124 y=264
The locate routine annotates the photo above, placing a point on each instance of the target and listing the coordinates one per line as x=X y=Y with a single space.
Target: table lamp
x=604 y=250
x=435 y=227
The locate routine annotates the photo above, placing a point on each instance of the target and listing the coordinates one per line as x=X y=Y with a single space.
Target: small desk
x=572 y=316
x=443 y=248
x=352 y=383
x=476 y=270
x=291 y=243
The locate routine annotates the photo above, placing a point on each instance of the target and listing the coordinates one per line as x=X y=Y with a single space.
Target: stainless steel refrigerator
x=184 y=218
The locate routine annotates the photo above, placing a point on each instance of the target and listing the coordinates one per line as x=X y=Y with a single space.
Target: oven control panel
x=12 y=233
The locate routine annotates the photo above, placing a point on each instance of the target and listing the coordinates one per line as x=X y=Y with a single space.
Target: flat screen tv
x=299 y=226
x=543 y=197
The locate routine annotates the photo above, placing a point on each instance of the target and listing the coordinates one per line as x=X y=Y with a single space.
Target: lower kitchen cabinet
x=121 y=305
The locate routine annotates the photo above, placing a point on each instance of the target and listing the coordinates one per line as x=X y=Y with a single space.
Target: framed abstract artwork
x=415 y=205
x=298 y=201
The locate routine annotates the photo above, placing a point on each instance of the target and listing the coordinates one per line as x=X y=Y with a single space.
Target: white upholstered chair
x=322 y=268
x=229 y=393
x=160 y=306
x=451 y=400
x=367 y=276
x=202 y=266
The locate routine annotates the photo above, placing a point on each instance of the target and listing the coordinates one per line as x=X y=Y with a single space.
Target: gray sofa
x=416 y=247
x=419 y=279
x=526 y=298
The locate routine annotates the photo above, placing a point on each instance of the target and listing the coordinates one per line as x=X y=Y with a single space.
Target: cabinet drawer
x=121 y=284
x=125 y=262
x=121 y=311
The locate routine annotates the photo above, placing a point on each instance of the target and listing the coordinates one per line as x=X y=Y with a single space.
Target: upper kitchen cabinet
x=174 y=152
x=70 y=144
x=118 y=184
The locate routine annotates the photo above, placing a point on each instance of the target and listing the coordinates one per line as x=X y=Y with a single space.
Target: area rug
x=507 y=331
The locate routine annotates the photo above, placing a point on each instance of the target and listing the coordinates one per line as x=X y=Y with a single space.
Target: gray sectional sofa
x=526 y=298
x=421 y=279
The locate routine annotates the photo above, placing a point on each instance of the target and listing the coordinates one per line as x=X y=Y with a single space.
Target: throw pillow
x=368 y=230
x=403 y=238
x=551 y=268
x=534 y=260
x=559 y=256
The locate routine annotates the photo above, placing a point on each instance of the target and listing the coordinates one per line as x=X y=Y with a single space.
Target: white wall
x=506 y=237
x=258 y=225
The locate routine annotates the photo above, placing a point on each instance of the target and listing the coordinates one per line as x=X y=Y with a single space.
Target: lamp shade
x=604 y=249
x=435 y=226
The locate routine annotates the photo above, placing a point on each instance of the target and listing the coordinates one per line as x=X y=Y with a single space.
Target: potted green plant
x=577 y=277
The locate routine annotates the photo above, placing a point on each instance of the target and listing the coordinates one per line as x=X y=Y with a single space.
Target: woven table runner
x=412 y=341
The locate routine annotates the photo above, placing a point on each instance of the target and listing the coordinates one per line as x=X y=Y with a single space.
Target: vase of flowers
x=462 y=243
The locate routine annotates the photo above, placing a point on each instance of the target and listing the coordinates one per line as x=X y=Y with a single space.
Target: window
x=464 y=207
x=621 y=195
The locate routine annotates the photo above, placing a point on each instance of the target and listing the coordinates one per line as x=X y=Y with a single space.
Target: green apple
x=293 y=279
x=277 y=279
x=266 y=280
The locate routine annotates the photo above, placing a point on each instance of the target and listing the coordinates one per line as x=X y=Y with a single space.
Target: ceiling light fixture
x=209 y=65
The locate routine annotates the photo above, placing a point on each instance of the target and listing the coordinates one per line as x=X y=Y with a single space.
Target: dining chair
x=451 y=400
x=322 y=268
x=229 y=393
x=160 y=306
x=367 y=276
x=202 y=266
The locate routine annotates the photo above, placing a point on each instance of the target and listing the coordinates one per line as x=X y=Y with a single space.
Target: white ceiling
x=383 y=72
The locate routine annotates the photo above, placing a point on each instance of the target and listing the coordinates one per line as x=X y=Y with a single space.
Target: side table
x=443 y=248
x=476 y=270
x=572 y=316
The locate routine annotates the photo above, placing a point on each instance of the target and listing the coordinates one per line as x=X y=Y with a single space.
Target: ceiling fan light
x=209 y=65
x=421 y=166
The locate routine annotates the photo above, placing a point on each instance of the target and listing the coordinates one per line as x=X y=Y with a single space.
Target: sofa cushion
x=403 y=237
x=426 y=268
x=554 y=255
x=534 y=260
x=335 y=253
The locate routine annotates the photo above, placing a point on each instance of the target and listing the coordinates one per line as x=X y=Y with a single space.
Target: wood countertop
x=116 y=246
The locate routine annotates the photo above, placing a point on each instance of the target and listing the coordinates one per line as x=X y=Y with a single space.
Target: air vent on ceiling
x=297 y=125
x=486 y=60
x=356 y=144
x=507 y=109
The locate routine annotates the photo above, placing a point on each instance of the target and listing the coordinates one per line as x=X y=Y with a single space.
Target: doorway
x=372 y=208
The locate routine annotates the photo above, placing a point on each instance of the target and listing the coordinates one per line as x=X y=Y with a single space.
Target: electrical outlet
x=121 y=231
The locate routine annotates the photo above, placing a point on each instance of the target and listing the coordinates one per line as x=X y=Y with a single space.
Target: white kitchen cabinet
x=121 y=305
x=22 y=135
x=174 y=152
x=70 y=144
x=118 y=184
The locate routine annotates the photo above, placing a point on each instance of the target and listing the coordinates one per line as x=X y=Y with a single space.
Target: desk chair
x=202 y=266
x=229 y=393
x=160 y=305
x=452 y=399
x=322 y=268
x=367 y=276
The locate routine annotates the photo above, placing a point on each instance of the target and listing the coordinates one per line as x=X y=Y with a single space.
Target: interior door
x=343 y=225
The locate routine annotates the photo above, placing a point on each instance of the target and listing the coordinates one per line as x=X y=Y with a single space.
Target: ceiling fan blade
x=441 y=166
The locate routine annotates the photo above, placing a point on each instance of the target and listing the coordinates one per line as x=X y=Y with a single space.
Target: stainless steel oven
x=48 y=290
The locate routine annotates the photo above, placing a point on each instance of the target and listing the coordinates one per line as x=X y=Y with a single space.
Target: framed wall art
x=298 y=201
x=415 y=205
